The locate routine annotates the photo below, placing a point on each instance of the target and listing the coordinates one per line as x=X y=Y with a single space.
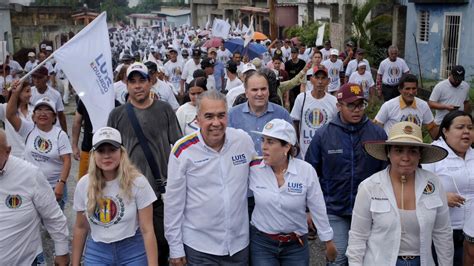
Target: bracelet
x=61 y=181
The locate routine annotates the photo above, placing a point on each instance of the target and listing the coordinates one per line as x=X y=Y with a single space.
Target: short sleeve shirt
x=316 y=113
x=116 y=216
x=334 y=69
x=446 y=93
x=51 y=93
x=365 y=81
x=392 y=71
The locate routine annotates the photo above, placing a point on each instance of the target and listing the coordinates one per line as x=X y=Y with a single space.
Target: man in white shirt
x=189 y=69
x=390 y=71
x=174 y=70
x=42 y=89
x=160 y=89
x=450 y=94
x=205 y=215
x=27 y=202
x=232 y=78
x=364 y=78
x=407 y=107
x=32 y=62
x=326 y=50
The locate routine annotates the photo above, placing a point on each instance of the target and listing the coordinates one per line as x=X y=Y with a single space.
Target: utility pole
x=310 y=11
x=273 y=23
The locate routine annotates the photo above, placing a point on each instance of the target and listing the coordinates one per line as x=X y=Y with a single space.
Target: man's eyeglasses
x=353 y=106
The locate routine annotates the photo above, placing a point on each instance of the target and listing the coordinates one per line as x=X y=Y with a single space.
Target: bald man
x=26 y=199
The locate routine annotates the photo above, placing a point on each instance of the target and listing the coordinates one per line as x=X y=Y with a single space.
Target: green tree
x=306 y=34
x=116 y=9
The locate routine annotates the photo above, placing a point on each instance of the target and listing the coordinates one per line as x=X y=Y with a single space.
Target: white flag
x=248 y=36
x=320 y=36
x=87 y=62
x=220 y=28
x=3 y=52
x=208 y=23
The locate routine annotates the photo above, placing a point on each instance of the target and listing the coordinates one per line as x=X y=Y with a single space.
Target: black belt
x=408 y=257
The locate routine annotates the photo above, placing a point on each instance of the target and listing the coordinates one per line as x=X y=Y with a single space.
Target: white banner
x=248 y=36
x=220 y=28
x=87 y=62
x=320 y=36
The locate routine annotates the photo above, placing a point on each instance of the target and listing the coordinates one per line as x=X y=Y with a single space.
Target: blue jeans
x=129 y=251
x=266 y=251
x=340 y=225
x=197 y=258
x=414 y=262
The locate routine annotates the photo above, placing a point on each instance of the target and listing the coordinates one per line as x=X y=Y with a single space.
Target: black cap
x=127 y=57
x=151 y=66
x=360 y=51
x=458 y=73
x=294 y=50
x=207 y=62
x=196 y=52
x=231 y=66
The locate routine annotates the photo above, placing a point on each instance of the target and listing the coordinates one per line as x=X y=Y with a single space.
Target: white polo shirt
x=206 y=195
x=396 y=110
x=283 y=209
x=446 y=93
x=26 y=201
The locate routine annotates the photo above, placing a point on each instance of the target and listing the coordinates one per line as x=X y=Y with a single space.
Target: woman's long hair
x=126 y=174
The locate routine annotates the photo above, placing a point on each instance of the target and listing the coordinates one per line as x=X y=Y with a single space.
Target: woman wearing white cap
x=284 y=187
x=364 y=79
x=400 y=211
x=46 y=145
x=114 y=202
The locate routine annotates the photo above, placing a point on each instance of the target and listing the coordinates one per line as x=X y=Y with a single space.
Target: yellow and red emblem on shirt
x=13 y=201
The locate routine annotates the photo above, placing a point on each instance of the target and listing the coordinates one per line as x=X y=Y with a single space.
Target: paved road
x=316 y=247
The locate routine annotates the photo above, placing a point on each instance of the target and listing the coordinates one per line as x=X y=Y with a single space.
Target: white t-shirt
x=8 y=79
x=365 y=81
x=44 y=149
x=211 y=83
x=352 y=67
x=164 y=91
x=232 y=84
x=173 y=72
x=326 y=53
x=120 y=89
x=51 y=93
x=232 y=95
x=391 y=113
x=445 y=93
x=14 y=139
x=116 y=216
x=189 y=69
x=186 y=115
x=29 y=66
x=334 y=68
x=316 y=113
x=392 y=71
x=286 y=53
x=223 y=56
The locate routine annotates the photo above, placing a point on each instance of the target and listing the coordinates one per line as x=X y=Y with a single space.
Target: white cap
x=49 y=48
x=31 y=54
x=45 y=101
x=279 y=129
x=137 y=67
x=362 y=63
x=248 y=67
x=334 y=52
x=106 y=135
x=43 y=46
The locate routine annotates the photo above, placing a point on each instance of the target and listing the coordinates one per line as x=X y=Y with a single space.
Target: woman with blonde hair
x=113 y=201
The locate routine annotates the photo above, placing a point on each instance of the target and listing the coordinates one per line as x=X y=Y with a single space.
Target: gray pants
x=195 y=258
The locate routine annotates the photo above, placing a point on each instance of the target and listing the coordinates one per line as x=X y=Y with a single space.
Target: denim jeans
x=266 y=251
x=340 y=225
x=197 y=258
x=413 y=262
x=129 y=251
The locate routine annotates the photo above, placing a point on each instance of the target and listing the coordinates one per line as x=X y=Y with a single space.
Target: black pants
x=163 y=248
x=389 y=92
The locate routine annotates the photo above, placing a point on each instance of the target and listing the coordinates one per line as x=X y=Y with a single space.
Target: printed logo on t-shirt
x=295 y=187
x=315 y=118
x=239 y=159
x=394 y=71
x=13 y=201
x=411 y=118
x=333 y=72
x=108 y=211
x=364 y=84
x=429 y=189
x=42 y=145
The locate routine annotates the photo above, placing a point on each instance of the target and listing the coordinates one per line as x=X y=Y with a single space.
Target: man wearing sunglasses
x=336 y=152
